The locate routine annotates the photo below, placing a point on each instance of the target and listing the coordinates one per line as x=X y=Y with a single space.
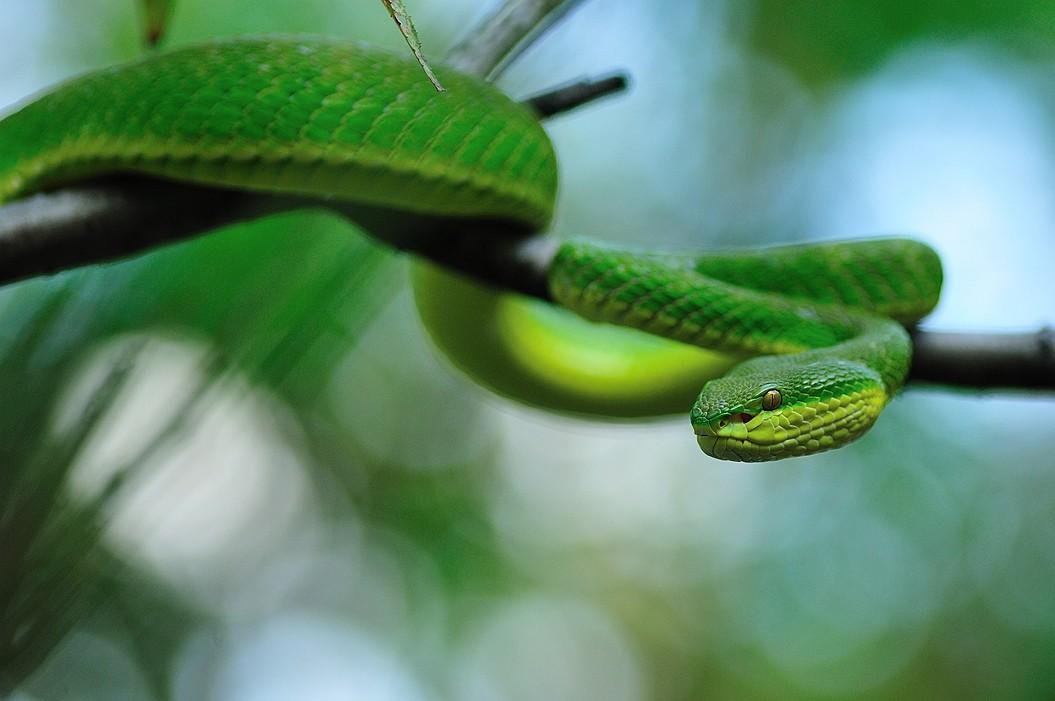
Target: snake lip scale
x=820 y=325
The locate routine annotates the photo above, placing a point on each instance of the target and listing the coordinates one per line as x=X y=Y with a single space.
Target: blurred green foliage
x=825 y=41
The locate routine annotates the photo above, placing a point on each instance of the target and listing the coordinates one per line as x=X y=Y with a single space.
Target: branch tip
x=568 y=97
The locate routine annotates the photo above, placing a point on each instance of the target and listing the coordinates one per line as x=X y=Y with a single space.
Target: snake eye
x=771 y=399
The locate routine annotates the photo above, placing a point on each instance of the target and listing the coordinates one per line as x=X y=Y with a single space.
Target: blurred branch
x=985 y=360
x=109 y=219
x=505 y=34
x=568 y=97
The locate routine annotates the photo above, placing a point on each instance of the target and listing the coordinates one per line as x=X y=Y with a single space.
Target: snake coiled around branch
x=340 y=122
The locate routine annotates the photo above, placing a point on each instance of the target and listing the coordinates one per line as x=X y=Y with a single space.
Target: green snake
x=336 y=121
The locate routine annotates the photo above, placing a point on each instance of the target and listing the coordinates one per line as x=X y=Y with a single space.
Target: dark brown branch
x=985 y=360
x=568 y=97
x=115 y=219
x=111 y=219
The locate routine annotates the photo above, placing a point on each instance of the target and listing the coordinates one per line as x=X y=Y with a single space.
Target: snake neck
x=664 y=296
x=825 y=369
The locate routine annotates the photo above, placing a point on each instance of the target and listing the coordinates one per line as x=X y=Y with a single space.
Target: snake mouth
x=738 y=424
x=725 y=447
x=744 y=437
x=740 y=437
x=773 y=435
x=720 y=423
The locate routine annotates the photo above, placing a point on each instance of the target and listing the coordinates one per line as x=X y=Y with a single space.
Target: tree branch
x=985 y=360
x=568 y=97
x=108 y=219
x=505 y=34
x=113 y=218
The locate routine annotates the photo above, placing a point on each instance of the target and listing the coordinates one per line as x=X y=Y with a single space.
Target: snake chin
x=725 y=448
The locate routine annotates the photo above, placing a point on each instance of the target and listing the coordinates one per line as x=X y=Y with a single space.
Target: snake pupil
x=771 y=399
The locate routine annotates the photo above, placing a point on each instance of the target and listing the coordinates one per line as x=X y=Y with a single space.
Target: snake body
x=337 y=121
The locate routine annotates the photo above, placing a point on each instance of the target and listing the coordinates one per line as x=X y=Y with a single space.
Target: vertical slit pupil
x=771 y=399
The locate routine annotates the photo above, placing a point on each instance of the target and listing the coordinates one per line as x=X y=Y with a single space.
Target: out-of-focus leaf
x=827 y=41
x=47 y=544
x=279 y=300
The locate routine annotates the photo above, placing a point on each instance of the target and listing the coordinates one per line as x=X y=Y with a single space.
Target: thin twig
x=401 y=17
x=565 y=98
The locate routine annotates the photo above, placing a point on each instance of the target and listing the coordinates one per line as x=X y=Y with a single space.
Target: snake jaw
x=742 y=436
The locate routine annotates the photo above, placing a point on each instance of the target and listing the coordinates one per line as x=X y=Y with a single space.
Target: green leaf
x=279 y=301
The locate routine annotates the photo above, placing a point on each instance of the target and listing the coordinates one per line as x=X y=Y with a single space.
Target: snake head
x=769 y=412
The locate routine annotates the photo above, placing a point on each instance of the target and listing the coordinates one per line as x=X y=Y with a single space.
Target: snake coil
x=338 y=121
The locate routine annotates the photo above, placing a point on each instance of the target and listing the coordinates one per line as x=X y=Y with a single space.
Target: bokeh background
x=236 y=470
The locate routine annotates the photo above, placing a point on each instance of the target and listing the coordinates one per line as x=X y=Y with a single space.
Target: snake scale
x=820 y=326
